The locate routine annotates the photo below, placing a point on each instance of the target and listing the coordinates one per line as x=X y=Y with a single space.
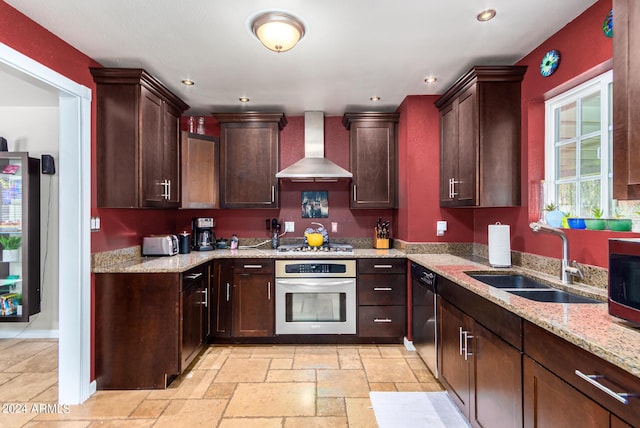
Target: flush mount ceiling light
x=188 y=82
x=486 y=15
x=278 y=31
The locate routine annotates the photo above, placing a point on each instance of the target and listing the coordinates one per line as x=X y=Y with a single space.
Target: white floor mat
x=416 y=409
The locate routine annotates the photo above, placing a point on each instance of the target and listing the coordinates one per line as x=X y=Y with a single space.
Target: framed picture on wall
x=315 y=204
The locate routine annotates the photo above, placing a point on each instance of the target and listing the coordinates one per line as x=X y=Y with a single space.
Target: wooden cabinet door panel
x=550 y=402
x=496 y=381
x=454 y=369
x=448 y=151
x=372 y=155
x=253 y=305
x=249 y=162
x=192 y=321
x=626 y=109
x=151 y=143
x=200 y=171
x=222 y=287
x=170 y=154
x=466 y=188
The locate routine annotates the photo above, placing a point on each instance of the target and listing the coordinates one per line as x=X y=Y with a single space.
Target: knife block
x=380 y=243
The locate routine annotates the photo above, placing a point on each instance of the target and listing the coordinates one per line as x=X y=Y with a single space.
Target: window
x=578 y=169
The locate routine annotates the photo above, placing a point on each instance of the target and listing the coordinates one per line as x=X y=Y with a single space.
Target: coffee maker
x=203 y=237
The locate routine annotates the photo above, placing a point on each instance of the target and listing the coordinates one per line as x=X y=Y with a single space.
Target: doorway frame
x=74 y=268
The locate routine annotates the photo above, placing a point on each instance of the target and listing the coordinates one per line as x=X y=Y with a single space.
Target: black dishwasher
x=425 y=315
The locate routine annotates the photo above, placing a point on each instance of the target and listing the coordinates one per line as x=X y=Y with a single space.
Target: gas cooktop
x=334 y=248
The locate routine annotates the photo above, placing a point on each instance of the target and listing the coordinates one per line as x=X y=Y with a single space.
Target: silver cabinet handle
x=193 y=275
x=620 y=396
x=460 y=341
x=384 y=320
x=205 y=302
x=382 y=266
x=228 y=291
x=354 y=193
x=273 y=193
x=453 y=187
x=269 y=290
x=252 y=266
x=382 y=289
x=466 y=337
x=168 y=189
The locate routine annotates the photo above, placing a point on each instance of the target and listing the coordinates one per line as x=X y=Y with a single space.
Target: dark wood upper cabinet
x=372 y=158
x=249 y=159
x=200 y=171
x=479 y=130
x=138 y=140
x=626 y=110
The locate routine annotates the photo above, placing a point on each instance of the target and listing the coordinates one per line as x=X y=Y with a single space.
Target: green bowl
x=595 y=223
x=619 y=224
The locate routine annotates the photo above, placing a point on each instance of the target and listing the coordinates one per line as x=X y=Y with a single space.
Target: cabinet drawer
x=253 y=266
x=382 y=266
x=565 y=360
x=382 y=289
x=382 y=321
x=194 y=277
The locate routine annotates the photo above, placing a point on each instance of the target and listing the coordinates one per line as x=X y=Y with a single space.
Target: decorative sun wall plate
x=607 y=25
x=550 y=63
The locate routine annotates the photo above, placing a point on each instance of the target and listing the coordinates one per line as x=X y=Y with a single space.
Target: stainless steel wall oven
x=316 y=296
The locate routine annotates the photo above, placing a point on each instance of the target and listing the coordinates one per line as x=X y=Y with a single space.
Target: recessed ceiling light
x=430 y=79
x=243 y=99
x=486 y=15
x=374 y=99
x=188 y=82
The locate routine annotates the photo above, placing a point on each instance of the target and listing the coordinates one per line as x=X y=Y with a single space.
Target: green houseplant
x=10 y=247
x=554 y=216
x=597 y=222
x=619 y=224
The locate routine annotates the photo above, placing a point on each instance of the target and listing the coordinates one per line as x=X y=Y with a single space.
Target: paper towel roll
x=499 y=245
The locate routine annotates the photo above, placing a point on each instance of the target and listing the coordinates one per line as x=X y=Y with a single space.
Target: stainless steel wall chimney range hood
x=314 y=166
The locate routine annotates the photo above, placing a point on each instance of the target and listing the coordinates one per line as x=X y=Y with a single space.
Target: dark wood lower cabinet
x=551 y=402
x=222 y=283
x=481 y=372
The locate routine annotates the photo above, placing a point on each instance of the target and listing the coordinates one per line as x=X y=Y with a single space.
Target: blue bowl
x=576 y=223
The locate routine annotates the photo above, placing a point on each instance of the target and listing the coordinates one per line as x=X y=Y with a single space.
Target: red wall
x=585 y=53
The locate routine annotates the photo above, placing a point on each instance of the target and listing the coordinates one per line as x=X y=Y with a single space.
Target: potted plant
x=10 y=247
x=619 y=224
x=597 y=222
x=554 y=216
x=575 y=222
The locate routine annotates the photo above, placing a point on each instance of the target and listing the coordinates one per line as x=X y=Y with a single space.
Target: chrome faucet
x=568 y=270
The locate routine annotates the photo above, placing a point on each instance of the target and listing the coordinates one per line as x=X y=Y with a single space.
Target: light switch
x=289 y=226
x=441 y=228
x=334 y=226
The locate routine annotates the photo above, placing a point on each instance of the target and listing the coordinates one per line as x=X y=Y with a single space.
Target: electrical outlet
x=95 y=224
x=334 y=226
x=289 y=226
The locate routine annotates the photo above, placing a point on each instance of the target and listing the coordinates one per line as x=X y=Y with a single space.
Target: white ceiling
x=353 y=49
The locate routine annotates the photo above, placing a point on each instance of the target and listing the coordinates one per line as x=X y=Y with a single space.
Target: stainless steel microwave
x=624 y=279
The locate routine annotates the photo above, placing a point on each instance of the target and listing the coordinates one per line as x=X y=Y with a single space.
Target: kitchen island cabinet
x=249 y=159
x=480 y=361
x=138 y=140
x=480 y=129
x=372 y=158
x=626 y=111
x=149 y=327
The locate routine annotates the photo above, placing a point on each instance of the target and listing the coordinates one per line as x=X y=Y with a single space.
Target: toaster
x=160 y=245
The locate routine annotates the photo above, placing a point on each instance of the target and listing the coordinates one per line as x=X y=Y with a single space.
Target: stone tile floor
x=227 y=386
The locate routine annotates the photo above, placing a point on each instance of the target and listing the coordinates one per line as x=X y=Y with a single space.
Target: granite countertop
x=183 y=262
x=588 y=326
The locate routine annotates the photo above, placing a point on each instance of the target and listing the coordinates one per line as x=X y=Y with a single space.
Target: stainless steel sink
x=529 y=288
x=553 y=296
x=511 y=280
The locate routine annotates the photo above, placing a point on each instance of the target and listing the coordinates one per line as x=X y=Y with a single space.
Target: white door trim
x=74 y=355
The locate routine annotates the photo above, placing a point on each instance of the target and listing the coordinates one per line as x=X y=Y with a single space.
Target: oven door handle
x=308 y=283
